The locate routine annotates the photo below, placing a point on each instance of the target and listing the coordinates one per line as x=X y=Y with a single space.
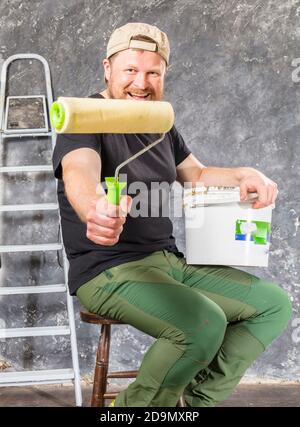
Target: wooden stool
x=100 y=393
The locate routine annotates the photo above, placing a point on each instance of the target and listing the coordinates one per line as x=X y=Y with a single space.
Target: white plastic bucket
x=221 y=230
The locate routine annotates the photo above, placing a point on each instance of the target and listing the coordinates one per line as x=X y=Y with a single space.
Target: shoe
x=112 y=403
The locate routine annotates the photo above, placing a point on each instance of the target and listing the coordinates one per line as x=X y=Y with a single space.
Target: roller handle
x=114 y=189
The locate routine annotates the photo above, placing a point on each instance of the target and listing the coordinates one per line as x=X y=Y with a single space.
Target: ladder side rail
x=75 y=359
x=3 y=79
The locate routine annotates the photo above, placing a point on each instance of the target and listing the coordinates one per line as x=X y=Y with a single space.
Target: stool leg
x=101 y=368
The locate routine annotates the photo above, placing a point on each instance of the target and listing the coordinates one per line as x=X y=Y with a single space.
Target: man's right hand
x=105 y=221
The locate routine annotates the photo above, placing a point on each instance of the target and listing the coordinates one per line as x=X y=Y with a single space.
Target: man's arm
x=81 y=176
x=248 y=179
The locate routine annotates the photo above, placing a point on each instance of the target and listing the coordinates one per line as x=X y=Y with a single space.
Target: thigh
x=228 y=287
x=148 y=298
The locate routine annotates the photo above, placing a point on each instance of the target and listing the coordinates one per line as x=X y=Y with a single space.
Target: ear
x=107 y=68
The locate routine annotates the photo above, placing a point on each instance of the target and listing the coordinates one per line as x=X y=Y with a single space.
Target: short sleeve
x=66 y=143
x=181 y=150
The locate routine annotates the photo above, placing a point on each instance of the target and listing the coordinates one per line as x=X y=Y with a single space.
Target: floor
x=245 y=395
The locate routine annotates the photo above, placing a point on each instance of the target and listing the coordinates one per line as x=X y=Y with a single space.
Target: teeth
x=135 y=94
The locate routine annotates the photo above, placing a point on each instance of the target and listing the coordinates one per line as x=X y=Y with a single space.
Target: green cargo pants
x=210 y=324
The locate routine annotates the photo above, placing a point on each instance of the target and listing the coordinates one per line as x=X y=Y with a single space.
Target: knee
x=281 y=306
x=210 y=325
x=218 y=324
x=285 y=307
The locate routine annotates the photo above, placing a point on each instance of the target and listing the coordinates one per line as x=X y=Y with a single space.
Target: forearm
x=223 y=177
x=81 y=190
x=249 y=180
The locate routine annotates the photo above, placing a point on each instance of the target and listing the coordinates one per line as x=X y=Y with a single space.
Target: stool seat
x=94 y=318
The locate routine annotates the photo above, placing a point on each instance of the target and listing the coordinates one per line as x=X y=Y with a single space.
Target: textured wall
x=236 y=103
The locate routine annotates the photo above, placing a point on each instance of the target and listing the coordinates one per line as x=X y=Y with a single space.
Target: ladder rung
x=25 y=134
x=33 y=207
x=32 y=168
x=34 y=331
x=39 y=289
x=18 y=378
x=30 y=248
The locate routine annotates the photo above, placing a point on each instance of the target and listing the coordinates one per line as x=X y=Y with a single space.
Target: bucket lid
x=213 y=195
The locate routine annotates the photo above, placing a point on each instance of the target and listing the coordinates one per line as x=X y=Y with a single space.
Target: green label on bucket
x=256 y=231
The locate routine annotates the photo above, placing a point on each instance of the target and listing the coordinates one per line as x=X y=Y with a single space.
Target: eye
x=130 y=70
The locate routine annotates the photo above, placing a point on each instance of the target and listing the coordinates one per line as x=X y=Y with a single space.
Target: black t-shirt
x=141 y=234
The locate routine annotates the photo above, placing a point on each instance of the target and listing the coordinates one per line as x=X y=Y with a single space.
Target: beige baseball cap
x=124 y=38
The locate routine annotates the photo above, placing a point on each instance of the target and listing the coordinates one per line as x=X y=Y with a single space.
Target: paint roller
x=93 y=115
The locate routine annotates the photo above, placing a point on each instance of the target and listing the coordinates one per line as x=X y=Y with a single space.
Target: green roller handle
x=114 y=189
x=57 y=115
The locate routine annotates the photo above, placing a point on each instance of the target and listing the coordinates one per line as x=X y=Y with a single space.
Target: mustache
x=139 y=92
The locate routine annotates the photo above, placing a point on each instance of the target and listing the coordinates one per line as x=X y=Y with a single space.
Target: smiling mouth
x=138 y=96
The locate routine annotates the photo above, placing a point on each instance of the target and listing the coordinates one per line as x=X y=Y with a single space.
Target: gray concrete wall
x=236 y=92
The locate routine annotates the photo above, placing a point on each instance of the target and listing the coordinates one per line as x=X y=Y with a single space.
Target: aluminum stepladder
x=35 y=377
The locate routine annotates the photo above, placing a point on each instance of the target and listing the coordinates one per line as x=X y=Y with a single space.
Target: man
x=211 y=322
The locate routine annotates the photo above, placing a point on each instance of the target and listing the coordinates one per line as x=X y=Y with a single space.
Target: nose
x=140 y=80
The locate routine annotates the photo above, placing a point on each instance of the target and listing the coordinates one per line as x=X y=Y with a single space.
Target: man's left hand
x=257 y=182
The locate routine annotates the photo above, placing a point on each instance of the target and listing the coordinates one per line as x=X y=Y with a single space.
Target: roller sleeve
x=89 y=115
